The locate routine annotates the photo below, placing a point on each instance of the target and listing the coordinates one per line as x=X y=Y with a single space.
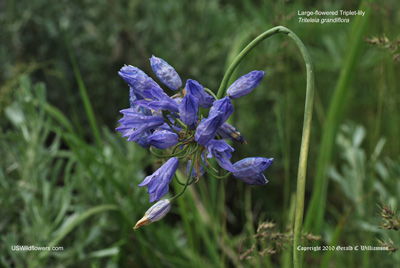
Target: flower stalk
x=302 y=169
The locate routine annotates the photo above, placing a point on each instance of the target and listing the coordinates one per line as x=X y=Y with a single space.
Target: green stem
x=172 y=128
x=301 y=176
x=188 y=178
x=176 y=147
x=183 y=126
x=211 y=93
x=168 y=155
x=178 y=181
x=212 y=173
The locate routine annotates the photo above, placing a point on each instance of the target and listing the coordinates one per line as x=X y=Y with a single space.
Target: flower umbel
x=179 y=124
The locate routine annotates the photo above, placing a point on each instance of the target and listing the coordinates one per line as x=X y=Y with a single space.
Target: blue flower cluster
x=157 y=120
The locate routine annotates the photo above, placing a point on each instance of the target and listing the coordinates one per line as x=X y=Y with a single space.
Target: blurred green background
x=68 y=179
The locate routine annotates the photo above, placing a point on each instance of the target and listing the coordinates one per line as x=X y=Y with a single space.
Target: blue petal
x=223 y=106
x=195 y=89
x=219 y=113
x=188 y=109
x=258 y=179
x=133 y=97
x=133 y=124
x=158 y=100
x=221 y=152
x=207 y=129
x=165 y=126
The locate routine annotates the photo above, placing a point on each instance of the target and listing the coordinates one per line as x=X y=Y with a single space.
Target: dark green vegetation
x=68 y=179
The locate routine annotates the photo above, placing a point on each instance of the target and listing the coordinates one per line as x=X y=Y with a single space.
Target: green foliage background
x=61 y=184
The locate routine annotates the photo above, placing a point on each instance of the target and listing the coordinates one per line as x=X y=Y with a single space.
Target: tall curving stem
x=305 y=140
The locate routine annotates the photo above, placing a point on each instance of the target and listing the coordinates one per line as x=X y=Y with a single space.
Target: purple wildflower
x=158 y=182
x=221 y=152
x=222 y=106
x=133 y=124
x=250 y=169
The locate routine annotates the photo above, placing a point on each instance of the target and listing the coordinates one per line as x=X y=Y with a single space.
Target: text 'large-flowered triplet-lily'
x=177 y=123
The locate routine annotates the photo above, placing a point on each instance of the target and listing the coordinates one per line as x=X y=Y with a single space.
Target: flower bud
x=219 y=113
x=163 y=139
x=245 y=84
x=251 y=167
x=188 y=109
x=195 y=89
x=155 y=213
x=229 y=132
x=166 y=73
x=137 y=79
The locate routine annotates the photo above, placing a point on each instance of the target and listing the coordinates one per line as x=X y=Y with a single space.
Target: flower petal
x=158 y=100
x=219 y=113
x=135 y=125
x=188 y=109
x=221 y=152
x=207 y=129
x=258 y=179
